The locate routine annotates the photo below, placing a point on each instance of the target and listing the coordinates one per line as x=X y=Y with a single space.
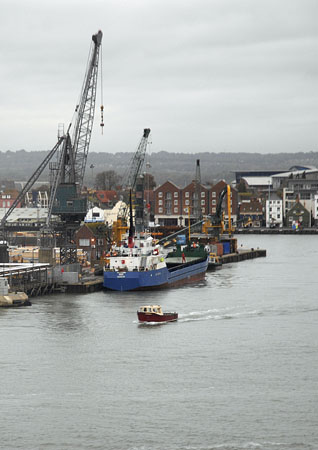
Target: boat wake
x=152 y=324
x=217 y=314
x=228 y=314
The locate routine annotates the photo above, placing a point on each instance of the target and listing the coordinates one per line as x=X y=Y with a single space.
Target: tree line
x=180 y=168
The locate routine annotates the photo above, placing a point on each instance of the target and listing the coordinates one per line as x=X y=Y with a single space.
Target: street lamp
x=189 y=226
x=92 y=167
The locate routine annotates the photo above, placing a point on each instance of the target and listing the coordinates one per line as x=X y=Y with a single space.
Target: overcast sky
x=204 y=75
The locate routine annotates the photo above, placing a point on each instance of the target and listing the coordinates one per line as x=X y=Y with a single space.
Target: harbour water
x=239 y=370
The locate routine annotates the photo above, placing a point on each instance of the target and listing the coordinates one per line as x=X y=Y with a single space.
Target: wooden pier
x=32 y=279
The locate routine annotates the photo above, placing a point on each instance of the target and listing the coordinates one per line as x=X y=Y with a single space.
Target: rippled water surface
x=239 y=370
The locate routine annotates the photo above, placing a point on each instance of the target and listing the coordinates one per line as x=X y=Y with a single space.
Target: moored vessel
x=144 y=266
x=139 y=263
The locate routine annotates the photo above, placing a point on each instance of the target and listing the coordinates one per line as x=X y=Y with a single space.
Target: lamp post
x=187 y=210
x=92 y=167
x=269 y=208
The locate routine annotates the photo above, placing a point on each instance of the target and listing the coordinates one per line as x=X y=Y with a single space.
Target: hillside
x=177 y=167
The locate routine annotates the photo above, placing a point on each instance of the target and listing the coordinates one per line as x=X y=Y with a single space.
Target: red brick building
x=251 y=211
x=8 y=197
x=92 y=239
x=168 y=204
x=190 y=200
x=172 y=203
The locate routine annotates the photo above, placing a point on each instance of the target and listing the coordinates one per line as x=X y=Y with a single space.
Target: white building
x=95 y=215
x=274 y=212
x=315 y=209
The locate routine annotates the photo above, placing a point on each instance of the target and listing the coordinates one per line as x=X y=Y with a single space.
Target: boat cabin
x=151 y=309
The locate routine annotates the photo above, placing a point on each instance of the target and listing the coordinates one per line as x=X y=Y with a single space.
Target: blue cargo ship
x=144 y=266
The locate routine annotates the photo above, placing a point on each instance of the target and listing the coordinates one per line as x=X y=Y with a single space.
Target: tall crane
x=134 y=170
x=130 y=179
x=197 y=211
x=68 y=172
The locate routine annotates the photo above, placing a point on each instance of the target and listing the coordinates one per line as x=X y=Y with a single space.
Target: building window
x=168 y=195
x=160 y=210
x=176 y=210
x=175 y=194
x=160 y=194
x=187 y=194
x=213 y=194
x=176 y=202
x=202 y=194
x=202 y=202
x=214 y=210
x=160 y=202
x=213 y=202
x=187 y=202
x=84 y=242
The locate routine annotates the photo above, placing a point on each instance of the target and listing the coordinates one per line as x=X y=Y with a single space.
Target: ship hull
x=165 y=277
x=148 y=317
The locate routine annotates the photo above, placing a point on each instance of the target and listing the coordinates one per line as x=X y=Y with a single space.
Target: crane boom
x=137 y=162
x=68 y=172
x=134 y=169
x=85 y=112
x=32 y=180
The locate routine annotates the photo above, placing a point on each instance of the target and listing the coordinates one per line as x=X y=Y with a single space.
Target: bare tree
x=108 y=180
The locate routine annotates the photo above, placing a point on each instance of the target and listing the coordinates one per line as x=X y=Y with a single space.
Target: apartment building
x=274 y=212
x=168 y=204
x=174 y=206
x=195 y=202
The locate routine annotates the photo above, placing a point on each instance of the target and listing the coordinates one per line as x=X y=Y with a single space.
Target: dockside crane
x=129 y=184
x=67 y=174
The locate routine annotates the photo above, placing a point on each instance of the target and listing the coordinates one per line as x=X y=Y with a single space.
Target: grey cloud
x=243 y=73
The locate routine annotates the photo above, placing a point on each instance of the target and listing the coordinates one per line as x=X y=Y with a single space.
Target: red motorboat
x=153 y=313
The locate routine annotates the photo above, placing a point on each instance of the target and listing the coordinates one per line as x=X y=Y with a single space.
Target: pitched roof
x=106 y=196
x=252 y=206
x=98 y=229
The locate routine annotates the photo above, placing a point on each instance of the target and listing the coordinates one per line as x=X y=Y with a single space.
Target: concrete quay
x=84 y=286
x=243 y=255
x=259 y=230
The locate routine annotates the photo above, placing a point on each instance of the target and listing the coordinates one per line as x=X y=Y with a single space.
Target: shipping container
x=220 y=249
x=226 y=248
x=181 y=239
x=213 y=248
